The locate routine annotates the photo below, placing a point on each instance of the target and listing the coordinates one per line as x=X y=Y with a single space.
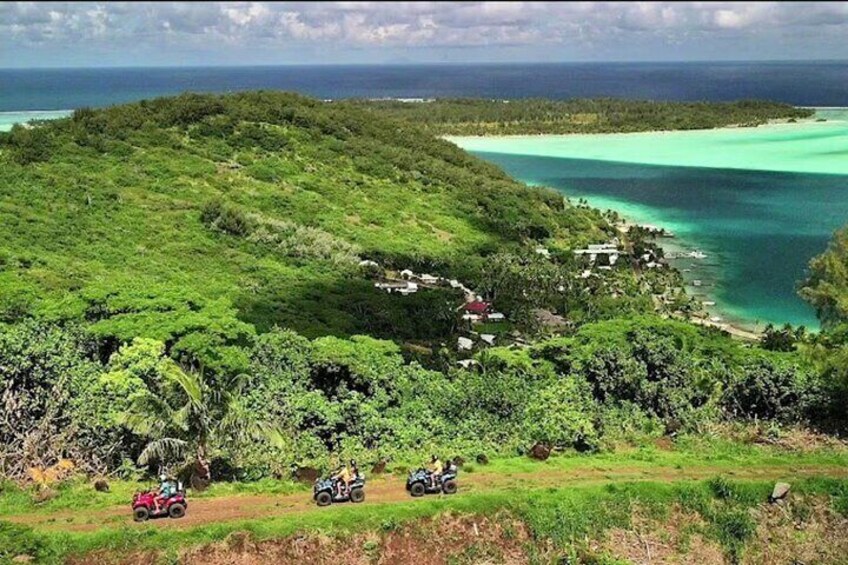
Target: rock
x=482 y=459
x=379 y=467
x=100 y=485
x=199 y=482
x=306 y=474
x=672 y=427
x=240 y=542
x=458 y=461
x=781 y=490
x=540 y=451
x=44 y=494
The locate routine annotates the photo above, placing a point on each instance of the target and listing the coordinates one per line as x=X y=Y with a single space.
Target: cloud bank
x=59 y=33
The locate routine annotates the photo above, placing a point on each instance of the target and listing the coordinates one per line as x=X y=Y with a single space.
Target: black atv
x=326 y=491
x=420 y=482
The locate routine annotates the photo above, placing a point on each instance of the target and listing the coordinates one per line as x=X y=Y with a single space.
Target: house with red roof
x=477 y=307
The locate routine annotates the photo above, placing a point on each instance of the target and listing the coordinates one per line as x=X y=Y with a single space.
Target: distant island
x=606 y=115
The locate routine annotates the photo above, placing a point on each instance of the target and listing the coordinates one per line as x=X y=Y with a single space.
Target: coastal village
x=484 y=326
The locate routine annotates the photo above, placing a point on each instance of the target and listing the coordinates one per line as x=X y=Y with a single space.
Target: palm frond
x=190 y=383
x=148 y=415
x=164 y=449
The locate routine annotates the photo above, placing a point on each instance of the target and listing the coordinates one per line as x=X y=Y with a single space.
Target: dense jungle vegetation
x=534 y=116
x=181 y=280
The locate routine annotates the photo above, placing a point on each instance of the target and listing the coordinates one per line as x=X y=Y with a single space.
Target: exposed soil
x=675 y=541
x=434 y=541
x=388 y=489
x=804 y=530
x=798 y=531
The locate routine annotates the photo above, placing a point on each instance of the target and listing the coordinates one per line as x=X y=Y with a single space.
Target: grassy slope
x=115 y=209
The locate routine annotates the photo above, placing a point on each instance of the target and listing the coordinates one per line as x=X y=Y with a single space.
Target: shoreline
x=736 y=328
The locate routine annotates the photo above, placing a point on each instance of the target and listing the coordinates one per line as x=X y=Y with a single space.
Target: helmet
x=163 y=477
x=433 y=458
x=353 y=462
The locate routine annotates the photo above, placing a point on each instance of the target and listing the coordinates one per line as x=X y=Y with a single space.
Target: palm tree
x=185 y=417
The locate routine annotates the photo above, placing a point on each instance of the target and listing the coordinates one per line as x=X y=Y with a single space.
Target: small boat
x=697 y=254
x=696 y=282
x=708 y=303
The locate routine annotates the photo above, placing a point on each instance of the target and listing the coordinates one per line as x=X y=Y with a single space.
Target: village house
x=477 y=307
x=488 y=339
x=429 y=279
x=402 y=287
x=610 y=250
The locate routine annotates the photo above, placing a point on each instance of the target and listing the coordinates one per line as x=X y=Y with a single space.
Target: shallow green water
x=8 y=119
x=814 y=147
x=754 y=200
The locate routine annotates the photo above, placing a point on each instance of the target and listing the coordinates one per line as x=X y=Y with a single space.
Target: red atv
x=143 y=506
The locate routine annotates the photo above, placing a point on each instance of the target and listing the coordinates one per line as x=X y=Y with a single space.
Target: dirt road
x=390 y=489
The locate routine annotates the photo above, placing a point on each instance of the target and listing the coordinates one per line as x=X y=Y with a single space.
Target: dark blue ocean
x=800 y=83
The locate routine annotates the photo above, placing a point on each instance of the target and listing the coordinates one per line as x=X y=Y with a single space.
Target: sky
x=103 y=34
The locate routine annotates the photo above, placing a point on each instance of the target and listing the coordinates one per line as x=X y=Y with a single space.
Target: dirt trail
x=390 y=489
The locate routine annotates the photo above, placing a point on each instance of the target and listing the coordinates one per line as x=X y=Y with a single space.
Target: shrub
x=226 y=218
x=30 y=144
x=769 y=390
x=561 y=416
x=18 y=540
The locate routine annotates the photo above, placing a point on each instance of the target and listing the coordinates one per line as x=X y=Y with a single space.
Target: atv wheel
x=140 y=514
x=449 y=487
x=417 y=489
x=324 y=498
x=357 y=495
x=176 y=510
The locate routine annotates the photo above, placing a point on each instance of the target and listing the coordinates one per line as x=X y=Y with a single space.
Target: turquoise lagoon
x=8 y=119
x=760 y=202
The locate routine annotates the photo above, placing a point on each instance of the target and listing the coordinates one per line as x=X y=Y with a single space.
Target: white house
x=496 y=317
x=464 y=344
x=428 y=279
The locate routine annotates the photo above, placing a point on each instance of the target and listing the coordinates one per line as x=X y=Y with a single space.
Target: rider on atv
x=436 y=469
x=344 y=476
x=167 y=489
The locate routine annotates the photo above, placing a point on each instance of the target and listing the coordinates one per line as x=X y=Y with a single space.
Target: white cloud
x=359 y=25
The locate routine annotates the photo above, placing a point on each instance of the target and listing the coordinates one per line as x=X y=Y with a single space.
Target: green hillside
x=181 y=284
x=159 y=217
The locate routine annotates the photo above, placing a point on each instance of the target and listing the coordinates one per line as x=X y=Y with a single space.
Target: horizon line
x=422 y=64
